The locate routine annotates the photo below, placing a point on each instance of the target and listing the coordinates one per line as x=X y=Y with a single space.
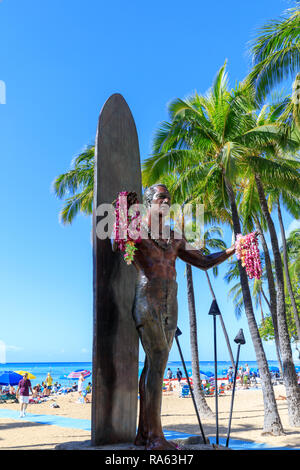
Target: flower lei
x=122 y=233
x=247 y=251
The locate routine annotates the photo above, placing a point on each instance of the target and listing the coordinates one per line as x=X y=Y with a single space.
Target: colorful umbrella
x=207 y=373
x=10 y=378
x=77 y=373
x=23 y=372
x=273 y=369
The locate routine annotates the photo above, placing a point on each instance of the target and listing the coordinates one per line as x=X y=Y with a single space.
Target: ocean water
x=60 y=370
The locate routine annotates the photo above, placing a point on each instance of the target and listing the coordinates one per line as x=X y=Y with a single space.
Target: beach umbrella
x=10 y=378
x=77 y=373
x=23 y=372
x=273 y=369
x=207 y=373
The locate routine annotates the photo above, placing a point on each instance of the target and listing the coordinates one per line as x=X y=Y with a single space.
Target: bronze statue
x=155 y=309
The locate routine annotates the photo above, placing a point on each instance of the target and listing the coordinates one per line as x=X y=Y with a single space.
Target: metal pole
x=214 y=310
x=178 y=333
x=239 y=339
x=232 y=396
x=216 y=380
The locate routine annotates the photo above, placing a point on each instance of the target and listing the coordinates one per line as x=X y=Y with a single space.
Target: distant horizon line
x=141 y=362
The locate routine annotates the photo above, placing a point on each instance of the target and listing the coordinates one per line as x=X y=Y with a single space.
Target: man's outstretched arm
x=194 y=257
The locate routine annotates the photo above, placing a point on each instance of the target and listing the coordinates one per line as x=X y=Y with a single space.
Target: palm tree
x=276 y=52
x=272 y=289
x=268 y=166
x=293 y=249
x=205 y=143
x=289 y=373
x=286 y=264
x=76 y=186
x=258 y=294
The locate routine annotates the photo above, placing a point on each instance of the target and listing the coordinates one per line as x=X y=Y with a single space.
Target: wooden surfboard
x=115 y=340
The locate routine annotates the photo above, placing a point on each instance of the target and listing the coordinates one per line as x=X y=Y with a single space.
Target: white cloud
x=10 y=347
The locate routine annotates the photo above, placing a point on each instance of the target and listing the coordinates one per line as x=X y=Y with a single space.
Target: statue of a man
x=155 y=309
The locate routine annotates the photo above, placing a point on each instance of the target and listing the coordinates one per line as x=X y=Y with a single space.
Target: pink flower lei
x=246 y=248
x=125 y=237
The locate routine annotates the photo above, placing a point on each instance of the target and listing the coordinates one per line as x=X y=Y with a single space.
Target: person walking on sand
x=246 y=377
x=241 y=374
x=81 y=386
x=230 y=374
x=23 y=394
x=49 y=382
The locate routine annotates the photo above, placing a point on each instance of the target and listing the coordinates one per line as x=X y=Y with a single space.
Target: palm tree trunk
x=261 y=310
x=289 y=373
x=222 y=323
x=287 y=274
x=202 y=406
x=272 y=422
x=272 y=291
x=265 y=298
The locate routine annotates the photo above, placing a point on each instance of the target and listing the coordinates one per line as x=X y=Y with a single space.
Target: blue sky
x=60 y=61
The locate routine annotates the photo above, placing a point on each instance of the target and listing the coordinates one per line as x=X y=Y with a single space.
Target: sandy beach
x=177 y=415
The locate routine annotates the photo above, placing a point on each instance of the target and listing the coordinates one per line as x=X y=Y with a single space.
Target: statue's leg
x=155 y=315
x=156 y=347
x=142 y=433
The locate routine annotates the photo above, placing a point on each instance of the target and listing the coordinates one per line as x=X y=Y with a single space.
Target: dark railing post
x=178 y=333
x=239 y=339
x=214 y=311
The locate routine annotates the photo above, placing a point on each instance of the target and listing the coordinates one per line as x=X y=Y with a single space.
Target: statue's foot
x=160 y=443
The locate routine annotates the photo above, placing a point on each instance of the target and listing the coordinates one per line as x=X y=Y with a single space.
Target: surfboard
x=115 y=339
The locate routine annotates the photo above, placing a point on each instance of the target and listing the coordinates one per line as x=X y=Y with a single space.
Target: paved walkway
x=85 y=425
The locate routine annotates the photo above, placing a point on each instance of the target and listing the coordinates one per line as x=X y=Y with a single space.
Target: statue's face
x=161 y=201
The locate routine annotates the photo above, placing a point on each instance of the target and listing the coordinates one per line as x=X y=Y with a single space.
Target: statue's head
x=157 y=198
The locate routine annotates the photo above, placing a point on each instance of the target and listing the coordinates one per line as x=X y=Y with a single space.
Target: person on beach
x=81 y=387
x=230 y=374
x=155 y=307
x=23 y=394
x=169 y=374
x=241 y=375
x=179 y=375
x=246 y=376
x=49 y=382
